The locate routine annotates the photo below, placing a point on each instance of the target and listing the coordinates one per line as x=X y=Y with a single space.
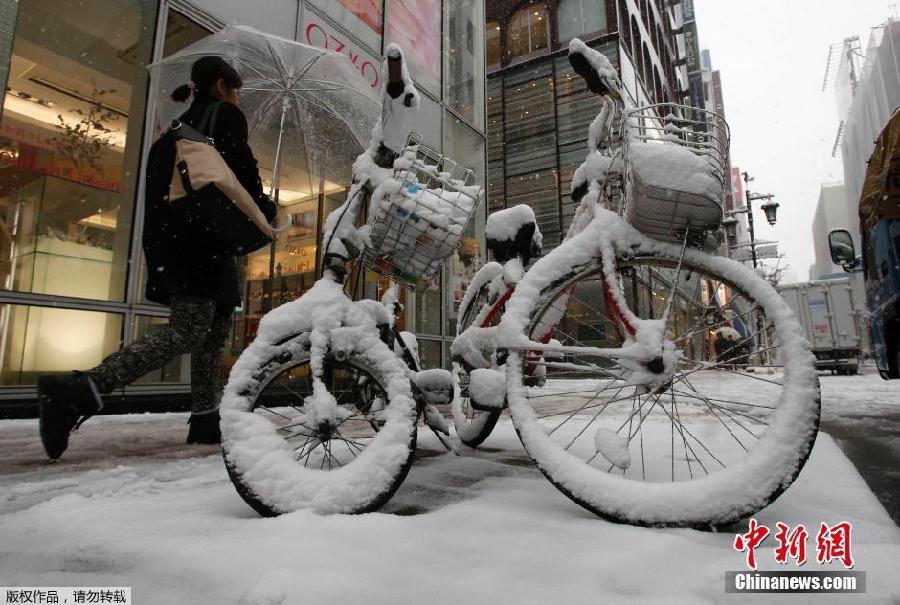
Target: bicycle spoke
x=608 y=402
x=712 y=400
x=700 y=443
x=687 y=457
x=585 y=405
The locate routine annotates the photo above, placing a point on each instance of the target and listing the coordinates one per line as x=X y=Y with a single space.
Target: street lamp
x=770 y=209
x=730 y=224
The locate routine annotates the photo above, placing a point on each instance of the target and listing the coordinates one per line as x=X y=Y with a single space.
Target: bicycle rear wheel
x=472 y=425
x=720 y=440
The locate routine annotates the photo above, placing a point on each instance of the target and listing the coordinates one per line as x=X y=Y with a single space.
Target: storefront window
x=528 y=30
x=416 y=26
x=66 y=190
x=492 y=39
x=41 y=340
x=466 y=147
x=579 y=17
x=427 y=122
x=293 y=270
x=429 y=353
x=428 y=310
x=362 y=18
x=463 y=59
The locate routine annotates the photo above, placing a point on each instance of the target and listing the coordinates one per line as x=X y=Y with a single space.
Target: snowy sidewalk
x=130 y=505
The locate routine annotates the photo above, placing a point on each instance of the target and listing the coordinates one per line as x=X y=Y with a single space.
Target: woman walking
x=188 y=269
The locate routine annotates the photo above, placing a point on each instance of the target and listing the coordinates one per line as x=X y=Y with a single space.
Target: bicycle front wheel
x=281 y=457
x=728 y=432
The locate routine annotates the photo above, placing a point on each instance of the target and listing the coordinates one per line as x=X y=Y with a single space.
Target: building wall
x=875 y=94
x=538 y=109
x=834 y=210
x=71 y=270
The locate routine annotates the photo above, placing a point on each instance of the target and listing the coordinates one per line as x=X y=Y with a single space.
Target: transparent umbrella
x=309 y=111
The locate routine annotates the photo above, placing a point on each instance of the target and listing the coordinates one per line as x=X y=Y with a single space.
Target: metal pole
x=273 y=195
x=762 y=340
x=750 y=219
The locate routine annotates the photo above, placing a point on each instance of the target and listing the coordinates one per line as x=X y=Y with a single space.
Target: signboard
x=744 y=254
x=741 y=254
x=770 y=251
x=317 y=32
x=737 y=185
x=718 y=100
x=695 y=89
x=363 y=19
x=687 y=9
x=416 y=26
x=691 y=47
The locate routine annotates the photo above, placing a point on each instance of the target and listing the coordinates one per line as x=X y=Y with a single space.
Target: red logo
x=316 y=35
x=832 y=543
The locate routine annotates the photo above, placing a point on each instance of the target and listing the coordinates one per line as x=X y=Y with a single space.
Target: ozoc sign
x=317 y=33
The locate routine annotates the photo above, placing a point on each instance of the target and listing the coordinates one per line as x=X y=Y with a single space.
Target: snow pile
x=595 y=168
x=393 y=128
x=487 y=388
x=598 y=61
x=613 y=447
x=477 y=346
x=503 y=225
x=131 y=505
x=670 y=166
x=729 y=333
x=411 y=342
x=481 y=281
x=436 y=385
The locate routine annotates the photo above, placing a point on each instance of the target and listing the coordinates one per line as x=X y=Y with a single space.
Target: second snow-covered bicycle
x=611 y=354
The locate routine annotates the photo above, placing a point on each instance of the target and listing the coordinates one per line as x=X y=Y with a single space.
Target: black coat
x=183 y=258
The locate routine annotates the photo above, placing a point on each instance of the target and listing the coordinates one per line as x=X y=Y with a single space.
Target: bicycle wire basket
x=676 y=164
x=417 y=228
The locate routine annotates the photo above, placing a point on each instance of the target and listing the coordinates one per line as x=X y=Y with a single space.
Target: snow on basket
x=677 y=160
x=419 y=215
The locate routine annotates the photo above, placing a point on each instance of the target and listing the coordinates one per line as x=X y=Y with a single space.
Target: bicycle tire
x=716 y=499
x=472 y=426
x=261 y=463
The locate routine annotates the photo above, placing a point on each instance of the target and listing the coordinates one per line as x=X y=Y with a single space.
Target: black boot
x=65 y=402
x=204 y=428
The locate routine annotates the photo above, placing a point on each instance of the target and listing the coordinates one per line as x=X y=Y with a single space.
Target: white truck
x=832 y=313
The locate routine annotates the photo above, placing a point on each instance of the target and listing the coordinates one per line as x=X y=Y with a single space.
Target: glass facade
x=74 y=128
x=537 y=132
x=538 y=109
x=580 y=18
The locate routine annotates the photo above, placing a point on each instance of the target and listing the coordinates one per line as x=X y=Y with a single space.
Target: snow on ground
x=130 y=505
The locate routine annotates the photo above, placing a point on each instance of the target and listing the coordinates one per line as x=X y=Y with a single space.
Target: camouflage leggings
x=196 y=326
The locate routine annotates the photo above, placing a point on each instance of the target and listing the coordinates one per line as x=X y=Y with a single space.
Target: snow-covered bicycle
x=611 y=353
x=615 y=328
x=321 y=410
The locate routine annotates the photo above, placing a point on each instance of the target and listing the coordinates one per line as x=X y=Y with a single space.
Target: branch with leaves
x=83 y=142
